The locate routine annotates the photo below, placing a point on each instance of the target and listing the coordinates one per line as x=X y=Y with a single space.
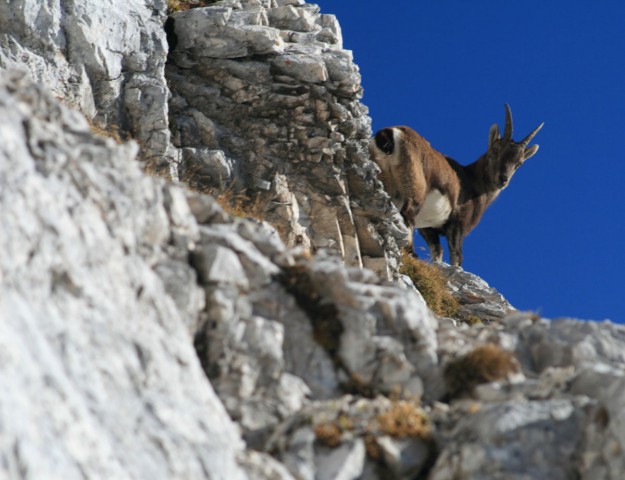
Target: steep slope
x=264 y=95
x=105 y=57
x=146 y=333
x=99 y=376
x=261 y=92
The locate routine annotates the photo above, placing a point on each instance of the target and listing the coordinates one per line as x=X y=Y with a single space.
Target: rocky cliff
x=258 y=95
x=147 y=333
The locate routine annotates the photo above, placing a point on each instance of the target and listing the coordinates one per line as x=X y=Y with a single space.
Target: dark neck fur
x=477 y=182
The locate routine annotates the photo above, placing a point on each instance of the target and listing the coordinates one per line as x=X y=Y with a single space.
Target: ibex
x=436 y=194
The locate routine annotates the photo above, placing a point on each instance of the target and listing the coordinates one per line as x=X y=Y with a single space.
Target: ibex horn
x=507 y=133
x=528 y=139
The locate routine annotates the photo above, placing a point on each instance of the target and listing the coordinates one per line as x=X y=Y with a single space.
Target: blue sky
x=554 y=241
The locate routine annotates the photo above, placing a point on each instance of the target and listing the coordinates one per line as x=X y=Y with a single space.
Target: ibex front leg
x=432 y=238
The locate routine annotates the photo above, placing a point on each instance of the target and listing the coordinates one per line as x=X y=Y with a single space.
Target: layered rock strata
x=264 y=96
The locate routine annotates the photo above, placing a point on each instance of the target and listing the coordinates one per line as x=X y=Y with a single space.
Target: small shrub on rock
x=484 y=364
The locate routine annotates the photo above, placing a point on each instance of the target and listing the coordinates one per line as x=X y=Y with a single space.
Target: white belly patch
x=434 y=212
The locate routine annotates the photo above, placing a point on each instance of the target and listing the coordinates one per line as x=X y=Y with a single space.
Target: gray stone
x=367 y=312
x=202 y=168
x=205 y=209
x=302 y=67
x=300 y=455
x=343 y=463
x=290 y=18
x=405 y=458
x=218 y=265
x=226 y=32
x=180 y=282
x=263 y=235
x=605 y=431
x=258 y=269
x=524 y=439
x=261 y=466
x=297 y=3
x=475 y=296
x=564 y=342
x=331 y=30
x=342 y=70
x=118 y=77
x=99 y=376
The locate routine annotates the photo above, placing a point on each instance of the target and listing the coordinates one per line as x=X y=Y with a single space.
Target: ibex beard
x=436 y=194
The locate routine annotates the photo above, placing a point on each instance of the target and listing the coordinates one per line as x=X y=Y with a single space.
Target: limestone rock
x=568 y=342
x=147 y=333
x=532 y=439
x=260 y=91
x=351 y=437
x=99 y=377
x=345 y=462
x=106 y=58
x=269 y=85
x=404 y=457
x=261 y=466
x=475 y=296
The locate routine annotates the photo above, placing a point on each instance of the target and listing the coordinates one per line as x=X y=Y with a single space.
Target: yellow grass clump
x=484 y=364
x=431 y=283
x=174 y=6
x=404 y=419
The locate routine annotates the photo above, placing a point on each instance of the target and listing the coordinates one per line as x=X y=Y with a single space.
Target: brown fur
x=411 y=169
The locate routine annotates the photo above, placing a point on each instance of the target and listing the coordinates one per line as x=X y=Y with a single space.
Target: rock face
x=110 y=278
x=99 y=376
x=147 y=333
x=264 y=94
x=261 y=93
x=561 y=418
x=104 y=57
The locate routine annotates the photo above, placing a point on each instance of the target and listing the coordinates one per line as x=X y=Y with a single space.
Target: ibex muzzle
x=436 y=194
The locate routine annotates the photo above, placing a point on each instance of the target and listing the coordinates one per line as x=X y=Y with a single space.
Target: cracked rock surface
x=104 y=57
x=147 y=333
x=264 y=95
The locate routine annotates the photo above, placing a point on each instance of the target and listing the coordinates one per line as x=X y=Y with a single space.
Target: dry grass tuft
x=174 y=6
x=329 y=434
x=404 y=419
x=239 y=204
x=486 y=363
x=112 y=131
x=399 y=419
x=431 y=283
x=156 y=166
x=472 y=320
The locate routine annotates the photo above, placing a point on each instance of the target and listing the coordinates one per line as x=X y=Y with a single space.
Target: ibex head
x=504 y=155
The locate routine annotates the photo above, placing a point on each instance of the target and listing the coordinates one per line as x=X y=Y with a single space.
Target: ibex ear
x=530 y=152
x=493 y=135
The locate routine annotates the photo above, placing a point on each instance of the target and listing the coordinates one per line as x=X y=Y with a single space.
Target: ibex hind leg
x=455 y=239
x=432 y=238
